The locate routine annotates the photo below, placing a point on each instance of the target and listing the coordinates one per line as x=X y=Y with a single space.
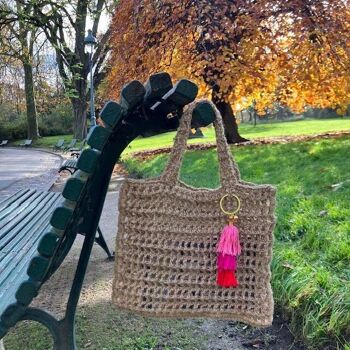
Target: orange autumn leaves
x=292 y=52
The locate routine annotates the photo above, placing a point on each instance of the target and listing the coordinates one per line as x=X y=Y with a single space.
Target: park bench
x=4 y=143
x=59 y=146
x=70 y=165
x=39 y=244
x=71 y=145
x=27 y=143
x=75 y=152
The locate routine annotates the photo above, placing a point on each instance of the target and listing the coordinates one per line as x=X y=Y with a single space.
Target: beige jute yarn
x=167 y=237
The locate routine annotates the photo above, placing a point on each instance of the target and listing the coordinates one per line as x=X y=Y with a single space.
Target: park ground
x=311 y=251
x=263 y=130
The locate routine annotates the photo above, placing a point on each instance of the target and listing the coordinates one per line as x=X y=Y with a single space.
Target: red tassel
x=226 y=278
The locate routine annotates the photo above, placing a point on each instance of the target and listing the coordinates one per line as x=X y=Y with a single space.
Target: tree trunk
x=33 y=130
x=229 y=120
x=79 y=110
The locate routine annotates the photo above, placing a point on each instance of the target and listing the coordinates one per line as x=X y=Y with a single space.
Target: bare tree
x=64 y=24
x=17 y=41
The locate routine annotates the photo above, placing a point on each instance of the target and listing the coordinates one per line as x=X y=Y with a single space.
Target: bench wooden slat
x=11 y=241
x=38 y=268
x=14 y=202
x=75 y=185
x=14 y=261
x=70 y=163
x=111 y=113
x=61 y=217
x=132 y=95
x=98 y=136
x=9 y=200
x=19 y=241
x=17 y=219
x=156 y=86
x=48 y=244
x=88 y=160
x=14 y=279
x=203 y=115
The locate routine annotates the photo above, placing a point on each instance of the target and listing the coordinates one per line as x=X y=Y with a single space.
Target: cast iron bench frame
x=157 y=106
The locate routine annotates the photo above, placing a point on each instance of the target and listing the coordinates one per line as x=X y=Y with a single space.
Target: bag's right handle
x=229 y=173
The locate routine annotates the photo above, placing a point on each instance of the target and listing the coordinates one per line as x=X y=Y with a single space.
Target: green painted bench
x=29 y=259
x=26 y=143
x=75 y=152
x=59 y=146
x=70 y=165
x=70 y=145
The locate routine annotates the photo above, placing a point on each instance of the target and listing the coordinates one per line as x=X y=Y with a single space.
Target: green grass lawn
x=112 y=330
x=301 y=127
x=48 y=141
x=311 y=263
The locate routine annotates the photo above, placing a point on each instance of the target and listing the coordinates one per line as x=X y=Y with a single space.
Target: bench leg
x=62 y=331
x=100 y=240
x=65 y=169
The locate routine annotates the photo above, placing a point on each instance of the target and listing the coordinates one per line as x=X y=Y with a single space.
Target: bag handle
x=229 y=173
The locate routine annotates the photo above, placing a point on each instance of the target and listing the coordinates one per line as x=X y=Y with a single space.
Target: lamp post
x=90 y=43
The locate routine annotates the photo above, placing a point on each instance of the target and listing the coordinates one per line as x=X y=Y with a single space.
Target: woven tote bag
x=167 y=238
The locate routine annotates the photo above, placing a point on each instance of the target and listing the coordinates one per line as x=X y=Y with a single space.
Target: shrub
x=13 y=130
x=58 y=122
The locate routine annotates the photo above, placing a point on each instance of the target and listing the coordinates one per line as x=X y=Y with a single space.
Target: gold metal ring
x=238 y=204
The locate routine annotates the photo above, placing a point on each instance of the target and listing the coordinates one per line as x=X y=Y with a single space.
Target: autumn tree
x=240 y=52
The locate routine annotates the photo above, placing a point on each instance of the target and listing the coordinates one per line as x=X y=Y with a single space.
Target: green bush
x=59 y=121
x=13 y=130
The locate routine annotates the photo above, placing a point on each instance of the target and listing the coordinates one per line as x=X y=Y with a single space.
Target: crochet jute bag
x=167 y=238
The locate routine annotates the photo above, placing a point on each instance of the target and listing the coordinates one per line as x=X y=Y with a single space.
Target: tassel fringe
x=228 y=249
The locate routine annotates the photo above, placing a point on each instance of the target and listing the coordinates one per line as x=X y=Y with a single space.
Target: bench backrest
x=72 y=143
x=28 y=142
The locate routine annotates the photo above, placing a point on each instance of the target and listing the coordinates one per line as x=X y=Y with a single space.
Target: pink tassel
x=229 y=241
x=227 y=262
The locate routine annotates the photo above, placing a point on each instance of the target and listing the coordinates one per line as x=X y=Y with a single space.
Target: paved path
x=21 y=168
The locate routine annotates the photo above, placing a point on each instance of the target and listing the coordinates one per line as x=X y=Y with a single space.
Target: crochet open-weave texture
x=167 y=238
